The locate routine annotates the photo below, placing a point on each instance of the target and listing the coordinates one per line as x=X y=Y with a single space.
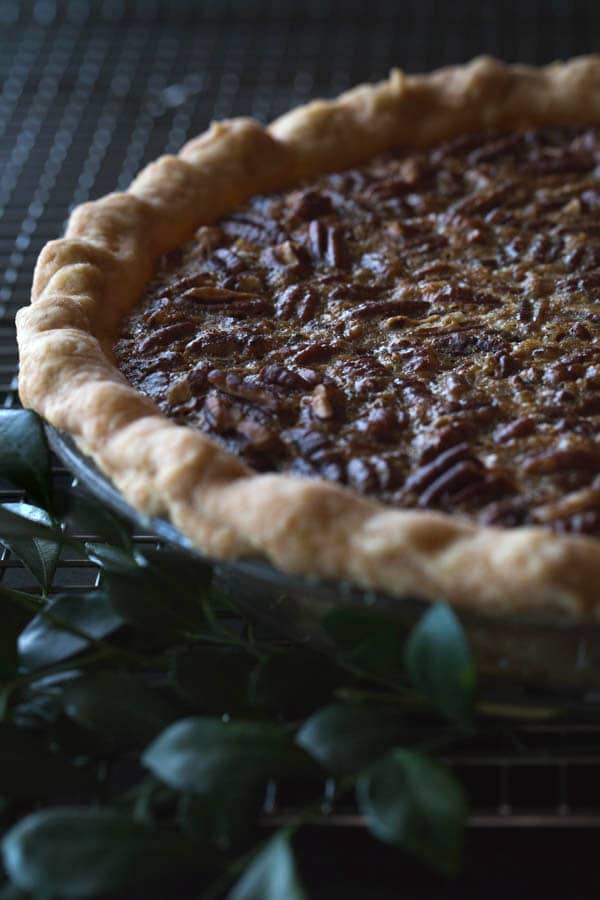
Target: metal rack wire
x=90 y=91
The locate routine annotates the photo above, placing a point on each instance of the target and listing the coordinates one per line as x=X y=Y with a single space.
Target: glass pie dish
x=521 y=660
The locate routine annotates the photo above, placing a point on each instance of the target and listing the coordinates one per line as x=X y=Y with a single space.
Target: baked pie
x=363 y=342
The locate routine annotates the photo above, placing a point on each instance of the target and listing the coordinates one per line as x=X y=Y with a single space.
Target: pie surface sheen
x=363 y=342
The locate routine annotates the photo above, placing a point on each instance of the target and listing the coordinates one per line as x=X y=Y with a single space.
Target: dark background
x=91 y=91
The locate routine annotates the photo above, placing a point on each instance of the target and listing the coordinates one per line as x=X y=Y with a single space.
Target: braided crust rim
x=86 y=282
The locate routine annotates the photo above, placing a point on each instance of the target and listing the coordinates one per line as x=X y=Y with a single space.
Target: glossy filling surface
x=424 y=329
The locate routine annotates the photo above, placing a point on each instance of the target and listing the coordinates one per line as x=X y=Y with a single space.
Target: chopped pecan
x=221 y=413
x=318 y=454
x=228 y=261
x=462 y=473
x=525 y=310
x=298 y=301
x=290 y=256
x=327 y=401
x=233 y=384
x=167 y=335
x=437 y=269
x=563 y=371
x=284 y=377
x=182 y=283
x=484 y=489
x=320 y=404
x=320 y=351
x=570 y=505
x=579 y=331
x=208 y=238
x=253 y=227
x=482 y=201
x=521 y=427
x=507 y=364
x=244 y=309
x=382 y=423
x=210 y=294
x=495 y=147
x=317 y=236
x=428 y=473
x=558 y=459
x=198 y=380
x=179 y=392
x=328 y=244
x=217 y=343
x=309 y=375
x=546 y=249
x=248 y=282
x=167 y=361
x=374 y=309
x=311 y=205
x=310 y=442
x=337 y=250
x=447 y=436
x=261 y=438
x=373 y=474
x=413 y=360
x=463 y=294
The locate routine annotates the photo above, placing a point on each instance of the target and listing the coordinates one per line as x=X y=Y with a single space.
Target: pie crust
x=85 y=284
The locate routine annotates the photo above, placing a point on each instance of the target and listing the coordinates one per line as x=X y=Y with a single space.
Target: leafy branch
x=140 y=734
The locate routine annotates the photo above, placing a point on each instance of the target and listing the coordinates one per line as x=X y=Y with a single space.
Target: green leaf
x=39 y=555
x=66 y=626
x=40 y=704
x=13 y=619
x=439 y=663
x=410 y=801
x=119 y=706
x=203 y=755
x=345 y=738
x=15 y=527
x=366 y=638
x=114 y=560
x=156 y=594
x=24 y=455
x=86 y=515
x=215 y=678
x=271 y=875
x=86 y=851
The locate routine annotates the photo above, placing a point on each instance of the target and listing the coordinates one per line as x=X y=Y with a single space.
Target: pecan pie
x=363 y=342
x=425 y=329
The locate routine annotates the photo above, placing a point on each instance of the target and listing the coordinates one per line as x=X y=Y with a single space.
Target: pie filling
x=424 y=329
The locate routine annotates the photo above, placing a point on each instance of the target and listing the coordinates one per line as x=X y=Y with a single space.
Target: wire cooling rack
x=91 y=91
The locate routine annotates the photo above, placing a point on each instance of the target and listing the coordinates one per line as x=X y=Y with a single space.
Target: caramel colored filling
x=424 y=329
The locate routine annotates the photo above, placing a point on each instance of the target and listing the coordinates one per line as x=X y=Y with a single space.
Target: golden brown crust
x=85 y=283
